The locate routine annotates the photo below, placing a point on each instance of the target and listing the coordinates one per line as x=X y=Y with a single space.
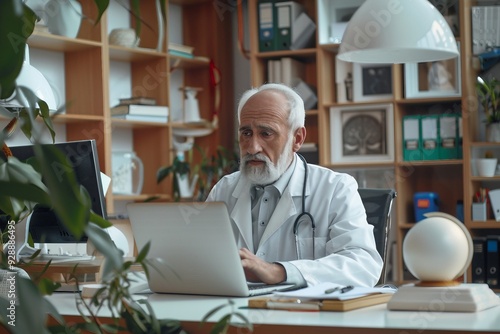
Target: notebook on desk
x=193 y=249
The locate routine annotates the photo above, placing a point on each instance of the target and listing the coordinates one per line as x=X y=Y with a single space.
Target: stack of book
x=180 y=50
x=140 y=109
x=290 y=72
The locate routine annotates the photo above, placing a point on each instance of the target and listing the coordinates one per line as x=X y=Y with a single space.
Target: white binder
x=495 y=202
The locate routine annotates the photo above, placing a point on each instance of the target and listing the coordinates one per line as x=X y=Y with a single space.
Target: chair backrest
x=378 y=204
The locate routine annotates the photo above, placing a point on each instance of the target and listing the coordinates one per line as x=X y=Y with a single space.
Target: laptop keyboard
x=56 y=258
x=262 y=289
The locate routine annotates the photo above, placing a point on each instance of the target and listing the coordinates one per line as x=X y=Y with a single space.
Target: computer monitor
x=44 y=225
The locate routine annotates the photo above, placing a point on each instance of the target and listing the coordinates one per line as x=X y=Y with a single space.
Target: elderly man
x=293 y=221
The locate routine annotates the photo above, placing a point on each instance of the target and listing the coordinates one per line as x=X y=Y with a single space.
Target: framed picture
x=433 y=79
x=362 y=133
x=372 y=82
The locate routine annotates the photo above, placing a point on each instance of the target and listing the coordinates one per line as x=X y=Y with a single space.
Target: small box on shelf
x=479 y=212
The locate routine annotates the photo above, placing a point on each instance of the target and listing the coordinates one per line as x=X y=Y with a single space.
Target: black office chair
x=378 y=204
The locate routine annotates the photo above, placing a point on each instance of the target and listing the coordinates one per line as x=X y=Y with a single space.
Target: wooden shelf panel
x=188 y=2
x=489 y=224
x=333 y=47
x=483 y=144
x=495 y=178
x=417 y=163
x=75 y=118
x=287 y=53
x=406 y=226
x=47 y=41
x=69 y=118
x=414 y=101
x=367 y=165
x=127 y=124
x=177 y=62
x=121 y=53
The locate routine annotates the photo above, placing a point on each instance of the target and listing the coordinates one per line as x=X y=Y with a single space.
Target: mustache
x=258 y=156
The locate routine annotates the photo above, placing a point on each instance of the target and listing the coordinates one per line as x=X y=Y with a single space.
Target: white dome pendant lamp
x=397 y=31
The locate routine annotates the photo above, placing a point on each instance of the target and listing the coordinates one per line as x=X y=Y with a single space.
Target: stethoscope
x=303 y=214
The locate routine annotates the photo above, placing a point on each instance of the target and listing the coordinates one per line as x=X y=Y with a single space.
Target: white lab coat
x=345 y=251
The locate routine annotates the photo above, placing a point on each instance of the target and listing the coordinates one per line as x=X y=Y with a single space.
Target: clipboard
x=336 y=305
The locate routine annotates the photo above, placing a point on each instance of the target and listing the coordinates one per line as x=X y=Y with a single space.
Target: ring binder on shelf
x=286 y=13
x=266 y=17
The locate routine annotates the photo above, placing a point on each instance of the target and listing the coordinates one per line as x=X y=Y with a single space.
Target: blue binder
x=266 y=25
x=492 y=261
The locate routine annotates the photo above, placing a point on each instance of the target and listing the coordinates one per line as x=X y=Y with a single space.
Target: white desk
x=376 y=319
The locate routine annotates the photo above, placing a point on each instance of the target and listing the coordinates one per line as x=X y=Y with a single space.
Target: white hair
x=296 y=111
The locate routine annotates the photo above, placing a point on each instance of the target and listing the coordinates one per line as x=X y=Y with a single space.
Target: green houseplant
x=207 y=171
x=488 y=92
x=22 y=187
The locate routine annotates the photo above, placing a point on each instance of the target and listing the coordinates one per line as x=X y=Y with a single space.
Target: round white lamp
x=384 y=31
x=437 y=251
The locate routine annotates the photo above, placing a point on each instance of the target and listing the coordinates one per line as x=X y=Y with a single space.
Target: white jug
x=128 y=173
x=63 y=17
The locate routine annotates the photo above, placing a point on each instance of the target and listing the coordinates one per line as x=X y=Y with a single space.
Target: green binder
x=286 y=13
x=448 y=136
x=430 y=136
x=412 y=146
x=460 y=148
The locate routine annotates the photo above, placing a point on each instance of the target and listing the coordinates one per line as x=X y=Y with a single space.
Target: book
x=143 y=118
x=181 y=54
x=138 y=100
x=338 y=305
x=325 y=296
x=180 y=48
x=291 y=71
x=139 y=109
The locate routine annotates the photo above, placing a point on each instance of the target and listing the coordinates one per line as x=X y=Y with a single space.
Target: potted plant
x=488 y=92
x=205 y=173
x=486 y=166
x=21 y=187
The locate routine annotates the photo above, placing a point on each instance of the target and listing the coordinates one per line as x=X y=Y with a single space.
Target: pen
x=342 y=290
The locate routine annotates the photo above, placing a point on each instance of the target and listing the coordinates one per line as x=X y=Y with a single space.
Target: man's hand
x=258 y=270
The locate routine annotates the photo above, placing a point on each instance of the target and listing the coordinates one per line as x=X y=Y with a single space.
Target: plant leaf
x=20 y=184
x=18 y=23
x=102 y=5
x=99 y=221
x=103 y=243
x=143 y=253
x=222 y=325
x=31 y=312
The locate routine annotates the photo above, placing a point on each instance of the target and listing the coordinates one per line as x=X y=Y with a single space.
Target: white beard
x=268 y=173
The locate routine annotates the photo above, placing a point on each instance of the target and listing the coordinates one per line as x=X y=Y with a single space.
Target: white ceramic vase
x=486 y=167
x=63 y=17
x=493 y=132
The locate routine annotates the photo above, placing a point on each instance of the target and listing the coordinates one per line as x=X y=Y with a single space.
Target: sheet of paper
x=318 y=292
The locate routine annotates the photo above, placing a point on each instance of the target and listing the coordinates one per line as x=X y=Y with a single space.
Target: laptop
x=193 y=250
